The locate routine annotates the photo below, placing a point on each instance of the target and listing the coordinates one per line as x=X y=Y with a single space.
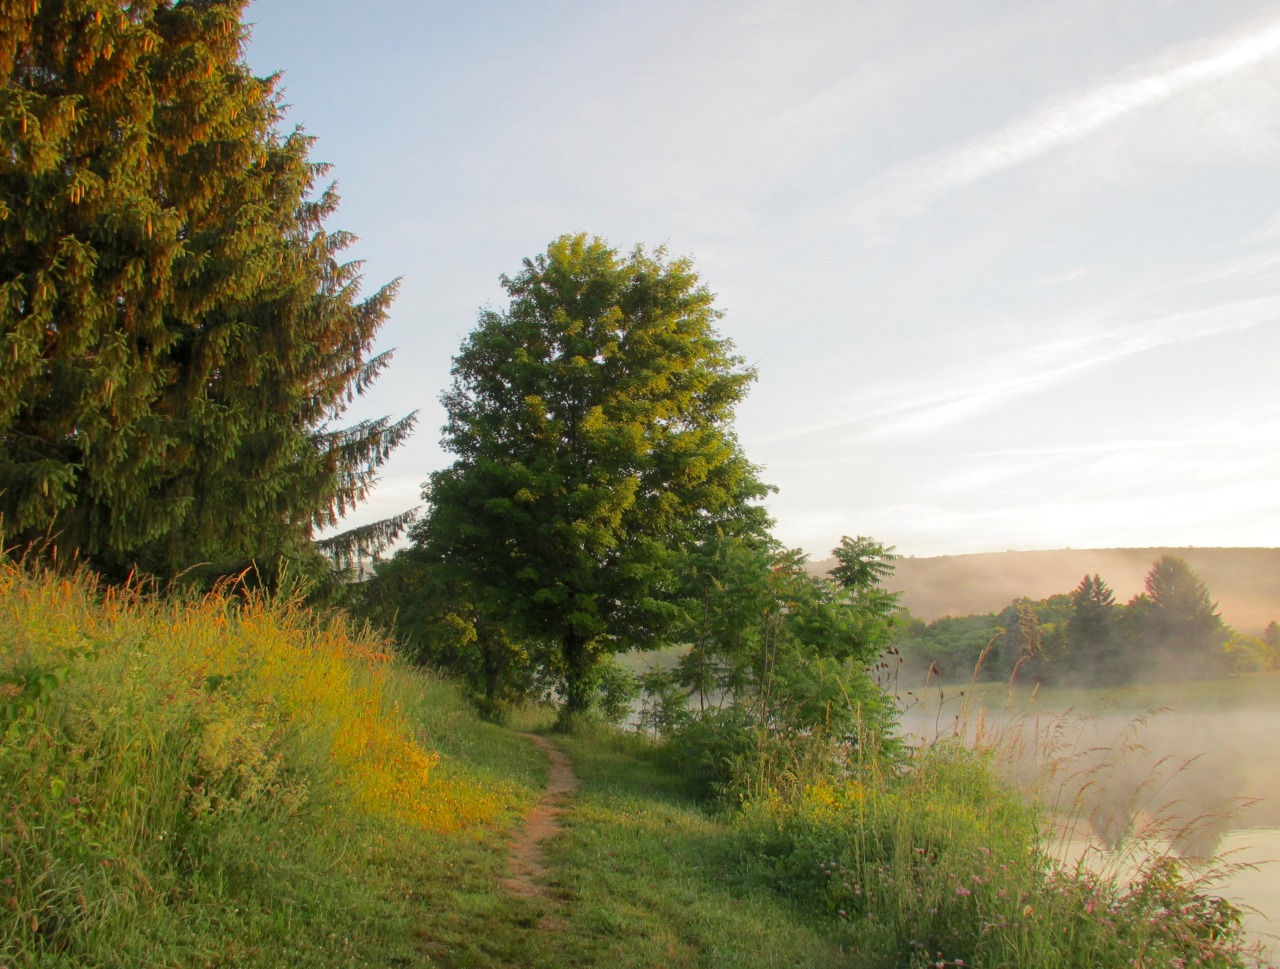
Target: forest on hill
x=1245 y=581
x=1170 y=629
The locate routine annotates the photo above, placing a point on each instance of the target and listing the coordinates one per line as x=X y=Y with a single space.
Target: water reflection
x=1203 y=783
x=1244 y=870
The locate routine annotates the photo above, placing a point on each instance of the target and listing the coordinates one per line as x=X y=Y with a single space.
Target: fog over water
x=1202 y=781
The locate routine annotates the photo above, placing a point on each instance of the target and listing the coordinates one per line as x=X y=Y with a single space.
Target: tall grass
x=156 y=752
x=944 y=859
x=943 y=865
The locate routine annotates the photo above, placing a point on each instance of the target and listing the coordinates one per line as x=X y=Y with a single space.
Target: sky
x=1009 y=270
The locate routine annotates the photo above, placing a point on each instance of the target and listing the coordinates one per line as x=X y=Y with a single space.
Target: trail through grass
x=646 y=877
x=239 y=782
x=528 y=873
x=639 y=876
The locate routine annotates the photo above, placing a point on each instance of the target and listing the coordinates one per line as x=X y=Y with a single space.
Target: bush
x=710 y=750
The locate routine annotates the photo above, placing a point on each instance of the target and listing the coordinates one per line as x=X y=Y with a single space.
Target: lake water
x=1202 y=781
x=1257 y=887
x=1250 y=859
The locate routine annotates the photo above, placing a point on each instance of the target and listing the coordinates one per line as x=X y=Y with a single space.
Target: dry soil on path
x=527 y=871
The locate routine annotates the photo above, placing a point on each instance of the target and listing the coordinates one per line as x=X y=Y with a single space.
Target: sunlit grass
x=168 y=763
x=237 y=781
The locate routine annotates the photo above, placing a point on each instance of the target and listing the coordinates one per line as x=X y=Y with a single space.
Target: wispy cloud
x=1070 y=276
x=1253 y=428
x=1266 y=232
x=1052 y=363
x=915 y=186
x=921 y=408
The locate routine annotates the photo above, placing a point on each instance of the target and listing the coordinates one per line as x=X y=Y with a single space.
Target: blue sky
x=1008 y=270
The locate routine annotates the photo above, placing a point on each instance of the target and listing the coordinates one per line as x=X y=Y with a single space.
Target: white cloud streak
x=915 y=186
x=918 y=409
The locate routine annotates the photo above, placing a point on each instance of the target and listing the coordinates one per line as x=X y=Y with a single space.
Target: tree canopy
x=592 y=424
x=178 y=334
x=1091 y=634
x=780 y=662
x=1181 y=632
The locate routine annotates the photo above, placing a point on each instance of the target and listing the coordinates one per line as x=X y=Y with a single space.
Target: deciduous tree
x=591 y=421
x=863 y=566
x=436 y=623
x=779 y=664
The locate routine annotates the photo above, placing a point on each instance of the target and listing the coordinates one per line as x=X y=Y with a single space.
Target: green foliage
x=863 y=565
x=177 y=331
x=1250 y=654
x=436 y=624
x=954 y=648
x=664 y=703
x=25 y=690
x=711 y=750
x=778 y=665
x=1254 y=654
x=1021 y=647
x=617 y=689
x=591 y=420
x=941 y=864
x=1179 y=629
x=1092 y=632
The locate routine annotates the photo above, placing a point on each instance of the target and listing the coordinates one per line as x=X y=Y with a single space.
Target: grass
x=235 y=781
x=942 y=864
x=228 y=781
x=649 y=878
x=641 y=876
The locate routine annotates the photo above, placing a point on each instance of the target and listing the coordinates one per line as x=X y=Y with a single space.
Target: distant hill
x=1245 y=582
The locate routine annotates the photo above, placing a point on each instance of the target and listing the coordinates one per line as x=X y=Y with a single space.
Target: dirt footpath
x=527 y=872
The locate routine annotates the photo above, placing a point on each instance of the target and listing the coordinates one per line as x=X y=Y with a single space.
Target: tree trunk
x=493 y=660
x=577 y=686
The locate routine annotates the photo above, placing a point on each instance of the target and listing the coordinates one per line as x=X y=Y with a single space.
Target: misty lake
x=1190 y=768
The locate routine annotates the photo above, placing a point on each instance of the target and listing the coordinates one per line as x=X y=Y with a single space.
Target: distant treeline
x=1172 y=630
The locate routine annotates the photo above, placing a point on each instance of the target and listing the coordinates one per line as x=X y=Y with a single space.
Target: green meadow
x=237 y=780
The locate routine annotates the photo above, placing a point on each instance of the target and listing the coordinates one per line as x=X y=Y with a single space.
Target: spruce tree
x=179 y=332
x=1091 y=635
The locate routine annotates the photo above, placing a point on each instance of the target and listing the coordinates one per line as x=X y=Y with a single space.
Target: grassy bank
x=228 y=781
x=236 y=781
x=936 y=865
